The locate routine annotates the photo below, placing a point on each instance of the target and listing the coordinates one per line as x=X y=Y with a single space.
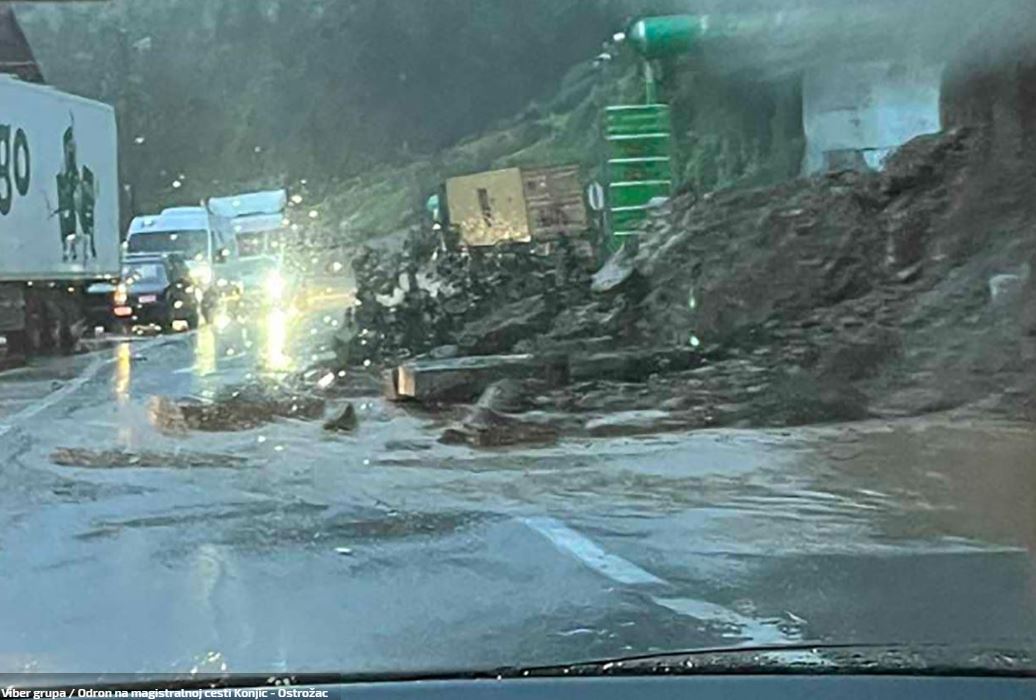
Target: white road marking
x=746 y=629
x=53 y=397
x=69 y=388
x=590 y=553
x=751 y=630
x=756 y=630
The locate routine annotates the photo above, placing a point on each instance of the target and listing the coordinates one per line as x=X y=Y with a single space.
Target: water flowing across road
x=297 y=549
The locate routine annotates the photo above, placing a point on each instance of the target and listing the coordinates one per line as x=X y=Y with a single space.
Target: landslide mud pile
x=907 y=292
x=457 y=302
x=838 y=297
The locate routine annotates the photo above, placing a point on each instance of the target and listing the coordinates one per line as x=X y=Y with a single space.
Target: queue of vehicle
x=64 y=268
x=204 y=259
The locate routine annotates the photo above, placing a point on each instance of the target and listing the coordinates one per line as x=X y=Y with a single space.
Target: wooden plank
x=463 y=379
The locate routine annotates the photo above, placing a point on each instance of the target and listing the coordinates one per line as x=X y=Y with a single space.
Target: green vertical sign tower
x=639 y=163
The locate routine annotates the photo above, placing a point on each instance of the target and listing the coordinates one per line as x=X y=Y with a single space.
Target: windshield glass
x=524 y=332
x=192 y=244
x=144 y=273
x=257 y=243
x=251 y=244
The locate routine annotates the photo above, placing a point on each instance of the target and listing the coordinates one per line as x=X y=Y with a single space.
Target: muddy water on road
x=968 y=478
x=366 y=549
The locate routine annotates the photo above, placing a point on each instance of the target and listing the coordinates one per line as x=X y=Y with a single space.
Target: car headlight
x=273 y=284
x=120 y=294
x=202 y=275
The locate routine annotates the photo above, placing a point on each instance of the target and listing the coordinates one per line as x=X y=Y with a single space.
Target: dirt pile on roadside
x=234 y=408
x=838 y=297
x=911 y=288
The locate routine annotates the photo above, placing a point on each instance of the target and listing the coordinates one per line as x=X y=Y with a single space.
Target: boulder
x=617 y=274
x=510 y=395
x=485 y=427
x=344 y=422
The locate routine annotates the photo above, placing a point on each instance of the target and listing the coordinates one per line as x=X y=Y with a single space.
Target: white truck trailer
x=59 y=212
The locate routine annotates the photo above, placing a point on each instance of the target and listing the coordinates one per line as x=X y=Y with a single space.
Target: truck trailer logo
x=15 y=166
x=76 y=203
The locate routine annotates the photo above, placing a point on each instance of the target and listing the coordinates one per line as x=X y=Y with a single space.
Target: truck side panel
x=59 y=190
x=489 y=208
x=554 y=197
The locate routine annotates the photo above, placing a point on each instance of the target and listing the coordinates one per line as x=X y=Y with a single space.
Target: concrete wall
x=855 y=115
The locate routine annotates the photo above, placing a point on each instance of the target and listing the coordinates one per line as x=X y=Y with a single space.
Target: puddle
x=124 y=459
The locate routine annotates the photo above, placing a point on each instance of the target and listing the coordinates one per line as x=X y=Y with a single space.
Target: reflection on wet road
x=261 y=345
x=298 y=550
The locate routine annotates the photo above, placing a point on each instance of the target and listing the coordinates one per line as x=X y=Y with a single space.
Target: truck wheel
x=58 y=335
x=53 y=332
x=65 y=339
x=33 y=334
x=27 y=342
x=33 y=339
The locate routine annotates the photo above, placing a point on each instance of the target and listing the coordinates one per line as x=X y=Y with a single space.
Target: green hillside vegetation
x=728 y=133
x=367 y=105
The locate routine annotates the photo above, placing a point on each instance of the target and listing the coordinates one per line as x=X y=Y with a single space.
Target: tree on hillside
x=227 y=91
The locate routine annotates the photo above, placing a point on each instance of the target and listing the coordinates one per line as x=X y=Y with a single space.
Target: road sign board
x=595 y=196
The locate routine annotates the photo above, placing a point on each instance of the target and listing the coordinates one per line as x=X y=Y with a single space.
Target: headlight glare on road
x=273 y=284
x=222 y=322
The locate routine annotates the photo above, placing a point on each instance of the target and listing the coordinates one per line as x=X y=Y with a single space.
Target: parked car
x=155 y=290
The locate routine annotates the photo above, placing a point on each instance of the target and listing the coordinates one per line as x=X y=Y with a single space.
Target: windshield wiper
x=927 y=659
x=799 y=659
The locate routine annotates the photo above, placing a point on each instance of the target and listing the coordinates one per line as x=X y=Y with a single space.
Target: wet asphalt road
x=908 y=532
